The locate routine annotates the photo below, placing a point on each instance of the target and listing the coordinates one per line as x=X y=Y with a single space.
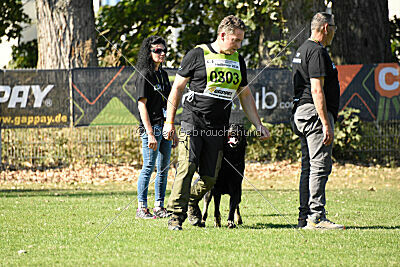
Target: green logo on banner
x=115 y=113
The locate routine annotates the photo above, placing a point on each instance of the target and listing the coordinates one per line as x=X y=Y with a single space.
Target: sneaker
x=322 y=223
x=161 y=212
x=144 y=213
x=302 y=222
x=194 y=216
x=174 y=224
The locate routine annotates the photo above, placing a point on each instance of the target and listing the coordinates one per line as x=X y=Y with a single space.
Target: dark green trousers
x=196 y=153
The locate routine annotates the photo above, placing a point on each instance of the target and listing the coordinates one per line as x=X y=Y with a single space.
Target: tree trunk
x=265 y=59
x=66 y=34
x=363 y=35
x=298 y=15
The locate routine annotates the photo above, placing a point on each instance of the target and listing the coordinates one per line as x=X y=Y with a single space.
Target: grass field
x=57 y=223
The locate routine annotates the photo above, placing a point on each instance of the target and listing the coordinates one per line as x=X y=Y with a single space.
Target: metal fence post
x=71 y=117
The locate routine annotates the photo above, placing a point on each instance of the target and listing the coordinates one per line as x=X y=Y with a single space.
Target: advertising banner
x=272 y=91
x=34 y=98
x=104 y=96
x=107 y=96
x=374 y=89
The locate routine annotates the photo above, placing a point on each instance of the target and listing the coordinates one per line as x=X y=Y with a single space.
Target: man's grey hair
x=230 y=23
x=319 y=20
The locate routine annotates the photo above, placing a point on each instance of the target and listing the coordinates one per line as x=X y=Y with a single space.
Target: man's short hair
x=319 y=20
x=230 y=23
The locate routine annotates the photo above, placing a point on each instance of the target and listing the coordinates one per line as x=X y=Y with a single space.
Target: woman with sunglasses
x=152 y=87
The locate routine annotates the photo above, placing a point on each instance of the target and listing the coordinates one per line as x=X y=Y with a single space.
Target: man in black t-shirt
x=205 y=112
x=315 y=109
x=216 y=74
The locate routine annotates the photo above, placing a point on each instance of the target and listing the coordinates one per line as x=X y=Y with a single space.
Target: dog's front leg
x=207 y=199
x=233 y=204
x=217 y=214
x=238 y=217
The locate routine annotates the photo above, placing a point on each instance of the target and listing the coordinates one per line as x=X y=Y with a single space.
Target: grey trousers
x=316 y=161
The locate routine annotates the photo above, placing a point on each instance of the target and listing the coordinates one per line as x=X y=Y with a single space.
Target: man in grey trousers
x=315 y=109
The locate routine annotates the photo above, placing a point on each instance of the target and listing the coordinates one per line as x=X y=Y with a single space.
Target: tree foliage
x=12 y=19
x=124 y=26
x=129 y=22
x=272 y=25
x=395 y=37
x=24 y=55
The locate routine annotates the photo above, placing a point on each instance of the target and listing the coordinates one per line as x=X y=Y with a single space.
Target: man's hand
x=328 y=134
x=168 y=131
x=264 y=133
x=152 y=142
x=175 y=140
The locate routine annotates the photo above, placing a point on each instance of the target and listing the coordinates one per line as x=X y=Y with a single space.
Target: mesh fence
x=382 y=142
x=43 y=147
x=64 y=146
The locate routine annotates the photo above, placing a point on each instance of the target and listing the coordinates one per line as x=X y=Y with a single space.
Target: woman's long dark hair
x=145 y=63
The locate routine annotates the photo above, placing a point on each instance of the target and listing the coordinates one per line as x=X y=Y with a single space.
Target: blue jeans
x=151 y=158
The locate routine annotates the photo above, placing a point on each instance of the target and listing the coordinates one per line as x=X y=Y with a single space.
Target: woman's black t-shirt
x=157 y=95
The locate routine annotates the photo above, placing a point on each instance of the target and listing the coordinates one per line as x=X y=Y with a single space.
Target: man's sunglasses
x=158 y=50
x=333 y=25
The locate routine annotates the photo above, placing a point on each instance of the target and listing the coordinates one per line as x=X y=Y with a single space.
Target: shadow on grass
x=373 y=227
x=288 y=226
x=267 y=226
x=271 y=215
x=8 y=193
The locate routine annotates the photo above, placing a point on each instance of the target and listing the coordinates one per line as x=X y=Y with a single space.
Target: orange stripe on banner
x=346 y=74
x=362 y=100
x=102 y=92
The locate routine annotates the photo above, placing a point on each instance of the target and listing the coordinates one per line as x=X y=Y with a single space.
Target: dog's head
x=236 y=135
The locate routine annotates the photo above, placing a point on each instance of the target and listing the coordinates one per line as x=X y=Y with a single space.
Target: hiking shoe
x=323 y=224
x=144 y=213
x=174 y=224
x=161 y=212
x=302 y=222
x=194 y=216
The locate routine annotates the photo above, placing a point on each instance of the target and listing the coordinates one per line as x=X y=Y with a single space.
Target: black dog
x=229 y=180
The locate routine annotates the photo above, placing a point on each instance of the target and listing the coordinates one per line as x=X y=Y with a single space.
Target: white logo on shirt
x=222 y=63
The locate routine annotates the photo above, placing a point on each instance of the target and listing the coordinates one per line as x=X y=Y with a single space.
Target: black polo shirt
x=313 y=61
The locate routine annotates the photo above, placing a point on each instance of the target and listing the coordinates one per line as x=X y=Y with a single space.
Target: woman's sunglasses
x=158 y=50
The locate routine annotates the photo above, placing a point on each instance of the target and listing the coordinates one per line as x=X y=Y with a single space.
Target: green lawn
x=56 y=226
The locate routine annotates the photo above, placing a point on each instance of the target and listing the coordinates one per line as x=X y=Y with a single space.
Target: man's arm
x=250 y=109
x=318 y=95
x=173 y=102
